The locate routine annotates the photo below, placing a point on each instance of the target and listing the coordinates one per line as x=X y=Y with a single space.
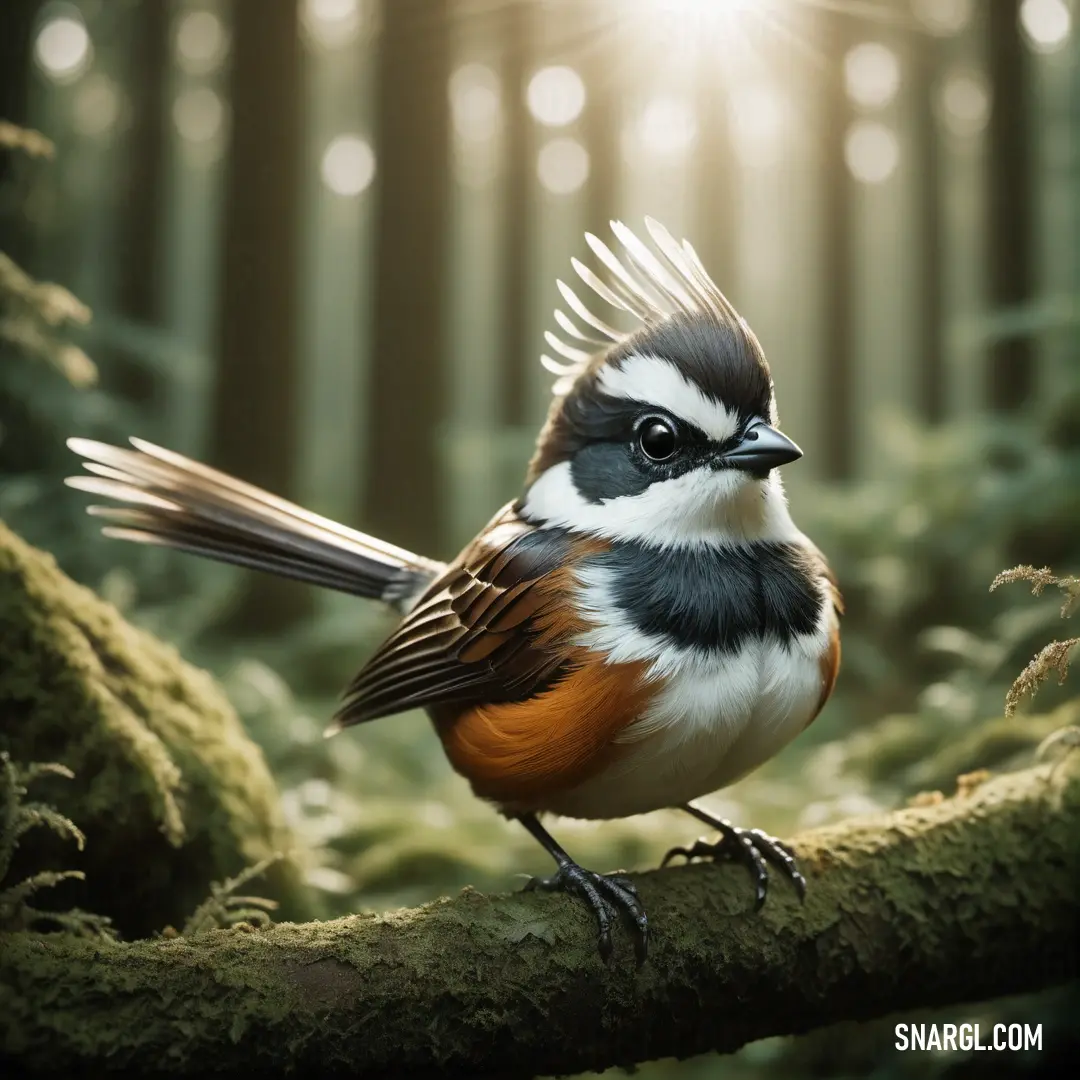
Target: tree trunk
x=16 y=26
x=932 y=377
x=516 y=232
x=1011 y=371
x=143 y=180
x=254 y=425
x=958 y=901
x=837 y=382
x=404 y=489
x=716 y=193
x=603 y=66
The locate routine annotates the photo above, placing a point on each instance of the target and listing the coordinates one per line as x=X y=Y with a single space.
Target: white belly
x=718 y=717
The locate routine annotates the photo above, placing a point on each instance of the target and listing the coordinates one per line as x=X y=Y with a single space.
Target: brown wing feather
x=486 y=631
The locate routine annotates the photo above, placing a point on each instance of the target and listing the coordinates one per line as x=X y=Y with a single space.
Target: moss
x=169 y=790
x=965 y=900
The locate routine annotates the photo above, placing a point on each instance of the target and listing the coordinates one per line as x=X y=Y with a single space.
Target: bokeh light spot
x=872 y=151
x=965 y=104
x=563 y=166
x=667 y=125
x=942 y=17
x=199 y=114
x=475 y=102
x=97 y=106
x=1046 y=23
x=871 y=74
x=334 y=23
x=201 y=42
x=556 y=96
x=348 y=165
x=758 y=121
x=62 y=47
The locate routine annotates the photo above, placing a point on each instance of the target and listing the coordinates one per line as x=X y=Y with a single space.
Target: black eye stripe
x=597 y=434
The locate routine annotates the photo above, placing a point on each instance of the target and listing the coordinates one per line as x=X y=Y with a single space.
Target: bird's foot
x=754 y=849
x=609 y=896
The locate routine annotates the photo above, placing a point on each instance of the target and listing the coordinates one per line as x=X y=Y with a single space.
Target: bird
x=642 y=626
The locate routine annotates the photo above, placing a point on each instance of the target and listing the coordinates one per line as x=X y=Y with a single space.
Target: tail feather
x=170 y=500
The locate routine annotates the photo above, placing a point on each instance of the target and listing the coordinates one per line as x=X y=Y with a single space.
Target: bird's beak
x=762 y=448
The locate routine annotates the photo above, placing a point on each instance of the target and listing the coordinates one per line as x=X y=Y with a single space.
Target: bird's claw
x=609 y=895
x=754 y=849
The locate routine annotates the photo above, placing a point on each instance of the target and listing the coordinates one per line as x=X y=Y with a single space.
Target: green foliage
x=18 y=817
x=39 y=402
x=31 y=143
x=63 y=392
x=915 y=547
x=35 y=316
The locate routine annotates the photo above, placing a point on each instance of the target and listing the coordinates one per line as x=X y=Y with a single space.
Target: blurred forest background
x=320 y=239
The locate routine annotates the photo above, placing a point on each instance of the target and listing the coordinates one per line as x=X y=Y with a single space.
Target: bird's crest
x=648 y=287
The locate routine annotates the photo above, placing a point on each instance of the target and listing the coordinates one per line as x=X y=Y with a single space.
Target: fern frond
x=1048 y=660
x=1039 y=580
x=17 y=818
x=223 y=909
x=30 y=142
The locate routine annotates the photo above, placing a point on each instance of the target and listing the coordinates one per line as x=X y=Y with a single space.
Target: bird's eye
x=656 y=438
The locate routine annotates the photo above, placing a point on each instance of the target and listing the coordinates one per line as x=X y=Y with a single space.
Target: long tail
x=179 y=503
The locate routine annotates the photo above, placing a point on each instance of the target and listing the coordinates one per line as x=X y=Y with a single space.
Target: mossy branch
x=966 y=899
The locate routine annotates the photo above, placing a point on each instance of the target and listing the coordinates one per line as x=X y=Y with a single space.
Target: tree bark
x=143 y=179
x=517 y=224
x=837 y=401
x=403 y=501
x=931 y=370
x=144 y=173
x=1010 y=231
x=254 y=426
x=601 y=53
x=962 y=900
x=16 y=29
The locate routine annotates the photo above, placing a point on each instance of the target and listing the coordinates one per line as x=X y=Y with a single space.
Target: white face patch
x=655 y=381
x=705 y=506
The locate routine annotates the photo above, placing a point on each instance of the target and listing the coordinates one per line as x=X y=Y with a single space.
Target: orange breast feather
x=516 y=753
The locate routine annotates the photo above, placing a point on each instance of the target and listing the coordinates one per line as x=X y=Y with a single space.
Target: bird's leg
x=609 y=895
x=752 y=847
